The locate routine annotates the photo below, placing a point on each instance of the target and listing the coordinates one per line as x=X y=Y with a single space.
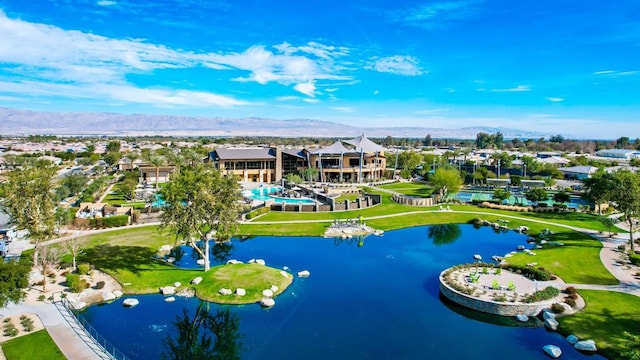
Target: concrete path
x=74 y=343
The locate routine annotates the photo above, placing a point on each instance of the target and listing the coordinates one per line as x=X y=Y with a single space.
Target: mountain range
x=27 y=122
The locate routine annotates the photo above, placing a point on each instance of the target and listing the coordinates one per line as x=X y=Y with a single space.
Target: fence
x=87 y=333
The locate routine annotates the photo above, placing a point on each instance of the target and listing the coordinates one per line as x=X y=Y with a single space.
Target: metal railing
x=103 y=348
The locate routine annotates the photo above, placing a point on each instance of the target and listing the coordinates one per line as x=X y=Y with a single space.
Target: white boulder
x=197 y=280
x=284 y=273
x=170 y=299
x=108 y=296
x=224 y=291
x=200 y=261
x=547 y=314
x=552 y=350
x=586 y=345
x=267 y=293
x=285 y=268
x=78 y=305
x=274 y=288
x=477 y=257
x=551 y=324
x=572 y=339
x=251 y=261
x=267 y=302
x=241 y=292
x=260 y=262
x=171 y=260
x=304 y=273
x=520 y=247
x=177 y=284
x=117 y=293
x=165 y=248
x=167 y=290
x=232 y=261
x=522 y=318
x=130 y=302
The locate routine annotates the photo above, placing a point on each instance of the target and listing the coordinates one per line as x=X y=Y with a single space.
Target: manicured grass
x=350 y=197
x=252 y=277
x=38 y=345
x=605 y=319
x=409 y=188
x=146 y=236
x=577 y=262
x=135 y=266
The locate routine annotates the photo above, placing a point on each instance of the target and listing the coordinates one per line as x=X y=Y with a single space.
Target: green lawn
x=577 y=262
x=605 y=319
x=409 y=188
x=38 y=345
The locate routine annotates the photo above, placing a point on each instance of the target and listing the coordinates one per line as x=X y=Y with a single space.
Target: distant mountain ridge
x=27 y=122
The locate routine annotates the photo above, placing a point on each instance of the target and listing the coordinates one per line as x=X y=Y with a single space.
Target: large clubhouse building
x=355 y=160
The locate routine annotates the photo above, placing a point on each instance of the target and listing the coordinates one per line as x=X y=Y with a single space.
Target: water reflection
x=205 y=336
x=444 y=234
x=357 y=240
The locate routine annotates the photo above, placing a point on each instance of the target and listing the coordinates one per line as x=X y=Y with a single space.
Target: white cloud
x=307 y=88
x=615 y=73
x=48 y=54
x=345 y=109
x=435 y=14
x=106 y=3
x=555 y=99
x=397 y=64
x=519 y=88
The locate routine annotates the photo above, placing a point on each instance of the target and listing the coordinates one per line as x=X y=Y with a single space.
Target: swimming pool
x=265 y=193
x=468 y=196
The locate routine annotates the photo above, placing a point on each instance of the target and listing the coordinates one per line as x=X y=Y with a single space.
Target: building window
x=253 y=164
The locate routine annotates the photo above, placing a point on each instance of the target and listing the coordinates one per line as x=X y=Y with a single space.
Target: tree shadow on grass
x=115 y=258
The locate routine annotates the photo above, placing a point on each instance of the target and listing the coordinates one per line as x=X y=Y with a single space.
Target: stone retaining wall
x=414 y=200
x=490 y=306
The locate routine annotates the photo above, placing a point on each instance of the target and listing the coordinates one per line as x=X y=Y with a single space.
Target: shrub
x=10 y=330
x=257 y=212
x=83 y=269
x=498 y=271
x=100 y=285
x=495 y=285
x=75 y=283
x=539 y=274
x=557 y=308
x=499 y=297
x=485 y=270
x=570 y=290
x=27 y=323
x=634 y=259
x=570 y=302
x=545 y=294
x=41 y=298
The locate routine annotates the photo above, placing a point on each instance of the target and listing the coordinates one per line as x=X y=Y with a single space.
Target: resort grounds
x=589 y=260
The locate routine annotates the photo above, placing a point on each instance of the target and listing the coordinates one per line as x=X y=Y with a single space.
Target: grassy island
x=253 y=278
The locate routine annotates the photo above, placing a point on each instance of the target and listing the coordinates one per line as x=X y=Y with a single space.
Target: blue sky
x=567 y=67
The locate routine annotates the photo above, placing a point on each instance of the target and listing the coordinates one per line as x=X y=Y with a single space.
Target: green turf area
x=605 y=319
x=130 y=257
x=252 y=277
x=577 y=262
x=38 y=345
x=350 y=197
x=409 y=188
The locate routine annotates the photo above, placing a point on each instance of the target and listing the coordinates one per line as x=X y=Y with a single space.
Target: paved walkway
x=72 y=341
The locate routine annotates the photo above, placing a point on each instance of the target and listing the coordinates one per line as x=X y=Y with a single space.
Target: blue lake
x=372 y=299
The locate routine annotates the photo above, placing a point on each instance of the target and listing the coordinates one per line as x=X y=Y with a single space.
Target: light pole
x=525 y=170
x=498 y=169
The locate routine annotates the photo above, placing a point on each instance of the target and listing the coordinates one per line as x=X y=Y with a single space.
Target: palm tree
x=132 y=156
x=157 y=161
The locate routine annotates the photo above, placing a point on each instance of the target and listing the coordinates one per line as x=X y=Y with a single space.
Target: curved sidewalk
x=71 y=341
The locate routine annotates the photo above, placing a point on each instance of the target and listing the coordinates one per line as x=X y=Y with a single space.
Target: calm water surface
x=372 y=299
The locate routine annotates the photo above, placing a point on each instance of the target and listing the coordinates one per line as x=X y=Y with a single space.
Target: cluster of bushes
x=257 y=212
x=75 y=283
x=539 y=273
x=8 y=328
x=27 y=323
x=572 y=296
x=105 y=222
x=545 y=294
x=491 y=205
